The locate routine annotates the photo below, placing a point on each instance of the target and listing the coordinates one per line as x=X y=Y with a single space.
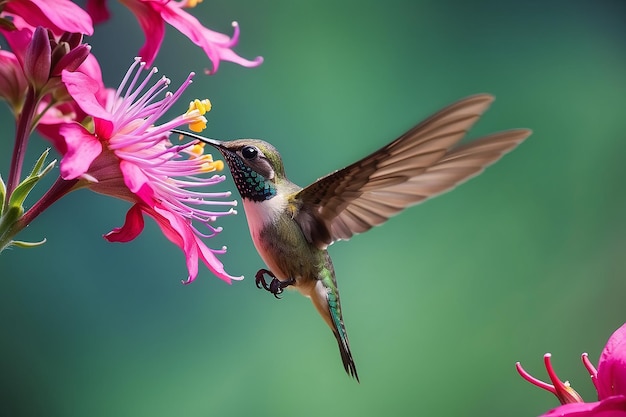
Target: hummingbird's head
x=255 y=156
x=256 y=165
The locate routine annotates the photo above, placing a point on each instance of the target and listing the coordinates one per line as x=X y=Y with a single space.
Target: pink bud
x=38 y=58
x=71 y=60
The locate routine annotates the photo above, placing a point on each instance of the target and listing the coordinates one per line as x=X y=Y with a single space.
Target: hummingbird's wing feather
x=420 y=164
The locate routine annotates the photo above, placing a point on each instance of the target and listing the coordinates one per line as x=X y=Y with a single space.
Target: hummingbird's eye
x=249 y=152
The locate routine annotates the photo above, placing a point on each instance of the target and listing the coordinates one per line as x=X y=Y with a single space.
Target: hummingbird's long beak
x=213 y=142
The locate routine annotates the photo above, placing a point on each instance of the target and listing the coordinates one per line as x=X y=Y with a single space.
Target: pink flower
x=125 y=154
x=152 y=15
x=609 y=380
x=13 y=83
x=57 y=15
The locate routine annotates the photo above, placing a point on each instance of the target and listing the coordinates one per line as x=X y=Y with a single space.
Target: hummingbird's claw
x=276 y=286
x=260 y=279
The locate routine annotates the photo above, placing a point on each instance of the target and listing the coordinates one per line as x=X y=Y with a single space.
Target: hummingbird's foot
x=260 y=279
x=277 y=286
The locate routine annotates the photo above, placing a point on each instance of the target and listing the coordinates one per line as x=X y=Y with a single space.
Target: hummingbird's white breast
x=261 y=214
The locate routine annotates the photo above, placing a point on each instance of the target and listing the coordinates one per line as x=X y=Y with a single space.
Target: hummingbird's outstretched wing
x=420 y=164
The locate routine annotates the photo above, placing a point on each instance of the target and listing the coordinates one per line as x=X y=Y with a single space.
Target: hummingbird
x=292 y=227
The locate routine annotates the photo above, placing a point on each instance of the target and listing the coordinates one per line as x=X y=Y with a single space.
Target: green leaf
x=22 y=244
x=21 y=191
x=47 y=169
x=36 y=169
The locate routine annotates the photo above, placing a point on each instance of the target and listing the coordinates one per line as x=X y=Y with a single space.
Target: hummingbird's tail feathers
x=325 y=298
x=346 y=356
x=339 y=330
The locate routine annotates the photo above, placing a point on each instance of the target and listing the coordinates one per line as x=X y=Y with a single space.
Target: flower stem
x=22 y=133
x=58 y=190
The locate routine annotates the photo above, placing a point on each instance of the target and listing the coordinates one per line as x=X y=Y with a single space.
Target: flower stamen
x=196 y=111
x=196 y=149
x=591 y=369
x=562 y=390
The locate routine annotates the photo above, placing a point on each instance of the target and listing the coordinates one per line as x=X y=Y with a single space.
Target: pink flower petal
x=82 y=149
x=18 y=41
x=13 y=84
x=211 y=261
x=86 y=90
x=91 y=68
x=137 y=181
x=132 y=227
x=149 y=18
x=57 y=15
x=217 y=46
x=611 y=407
x=51 y=132
x=571 y=409
x=55 y=117
x=612 y=366
x=98 y=11
x=179 y=233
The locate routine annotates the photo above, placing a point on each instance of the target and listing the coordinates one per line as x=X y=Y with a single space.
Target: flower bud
x=38 y=58
x=72 y=39
x=71 y=60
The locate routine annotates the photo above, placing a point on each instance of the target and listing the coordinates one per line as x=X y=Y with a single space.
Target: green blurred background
x=439 y=303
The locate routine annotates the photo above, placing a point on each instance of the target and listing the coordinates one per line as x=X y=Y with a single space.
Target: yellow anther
x=192 y=3
x=197 y=149
x=211 y=165
x=202 y=106
x=196 y=111
x=206 y=159
x=198 y=124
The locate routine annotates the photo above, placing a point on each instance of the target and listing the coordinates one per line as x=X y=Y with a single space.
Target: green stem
x=11 y=227
x=38 y=117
